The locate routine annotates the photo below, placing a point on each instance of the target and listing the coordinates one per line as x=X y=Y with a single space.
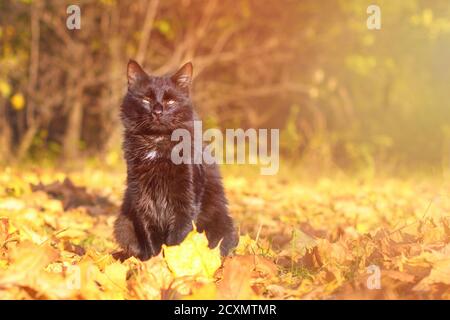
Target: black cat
x=162 y=199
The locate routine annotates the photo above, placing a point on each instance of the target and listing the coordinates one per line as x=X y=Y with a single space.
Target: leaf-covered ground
x=327 y=239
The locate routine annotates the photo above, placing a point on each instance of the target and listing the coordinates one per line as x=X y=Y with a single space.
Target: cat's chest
x=157 y=173
x=156 y=148
x=152 y=171
x=163 y=186
x=144 y=151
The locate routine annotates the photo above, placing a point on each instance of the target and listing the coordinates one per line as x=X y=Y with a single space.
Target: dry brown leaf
x=235 y=283
x=265 y=266
x=397 y=275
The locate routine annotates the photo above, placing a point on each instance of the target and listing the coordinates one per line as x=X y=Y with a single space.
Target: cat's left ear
x=183 y=77
x=135 y=73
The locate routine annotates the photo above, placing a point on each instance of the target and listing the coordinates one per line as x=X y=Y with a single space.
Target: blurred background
x=344 y=97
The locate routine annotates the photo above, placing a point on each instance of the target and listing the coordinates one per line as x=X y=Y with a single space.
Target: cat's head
x=157 y=105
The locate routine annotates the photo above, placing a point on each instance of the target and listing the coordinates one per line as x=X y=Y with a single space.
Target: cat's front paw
x=125 y=235
x=228 y=243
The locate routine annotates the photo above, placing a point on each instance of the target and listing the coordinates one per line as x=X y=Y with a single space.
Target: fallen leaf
x=205 y=291
x=235 y=283
x=193 y=257
x=440 y=273
x=27 y=261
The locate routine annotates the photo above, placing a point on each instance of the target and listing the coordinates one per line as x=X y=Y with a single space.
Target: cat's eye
x=170 y=102
x=146 y=103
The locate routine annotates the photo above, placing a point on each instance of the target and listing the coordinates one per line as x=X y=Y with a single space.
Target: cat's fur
x=162 y=199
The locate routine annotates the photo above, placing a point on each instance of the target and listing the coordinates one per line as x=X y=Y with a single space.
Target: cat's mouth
x=158 y=127
x=156 y=119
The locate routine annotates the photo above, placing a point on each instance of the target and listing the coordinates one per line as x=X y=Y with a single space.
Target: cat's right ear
x=135 y=73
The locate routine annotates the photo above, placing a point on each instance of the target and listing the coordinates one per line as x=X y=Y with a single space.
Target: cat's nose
x=158 y=109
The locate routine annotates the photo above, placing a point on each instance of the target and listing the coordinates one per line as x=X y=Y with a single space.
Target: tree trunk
x=5 y=135
x=72 y=136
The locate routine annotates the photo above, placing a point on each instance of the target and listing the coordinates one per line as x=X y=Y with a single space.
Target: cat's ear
x=183 y=77
x=134 y=72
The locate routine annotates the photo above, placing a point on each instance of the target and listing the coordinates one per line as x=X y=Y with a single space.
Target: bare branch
x=152 y=8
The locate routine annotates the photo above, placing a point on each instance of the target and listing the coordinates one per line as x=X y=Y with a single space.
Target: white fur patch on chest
x=151 y=155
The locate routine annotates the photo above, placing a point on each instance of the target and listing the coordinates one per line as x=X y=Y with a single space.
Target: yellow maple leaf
x=87 y=280
x=101 y=260
x=113 y=281
x=193 y=257
x=246 y=245
x=116 y=273
x=27 y=261
x=149 y=279
x=18 y=101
